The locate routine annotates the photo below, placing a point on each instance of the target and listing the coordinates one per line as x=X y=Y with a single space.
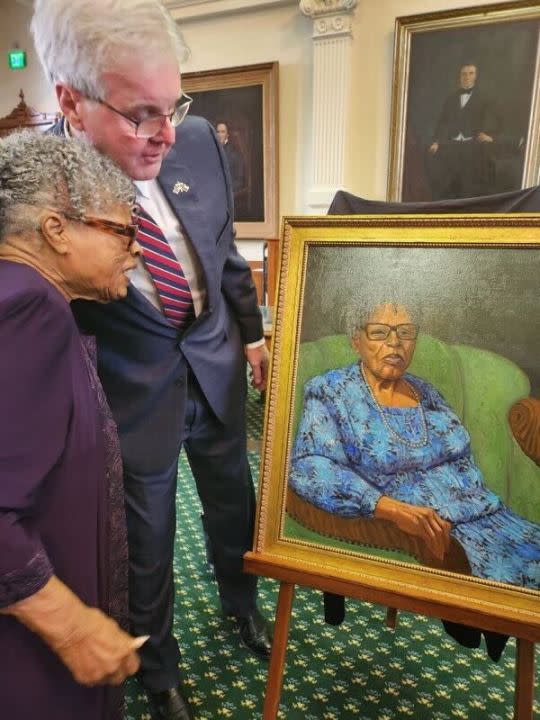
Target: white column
x=332 y=20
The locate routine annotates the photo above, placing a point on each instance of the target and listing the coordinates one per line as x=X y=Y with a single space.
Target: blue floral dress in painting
x=344 y=459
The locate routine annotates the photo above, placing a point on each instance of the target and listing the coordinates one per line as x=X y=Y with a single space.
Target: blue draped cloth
x=345 y=458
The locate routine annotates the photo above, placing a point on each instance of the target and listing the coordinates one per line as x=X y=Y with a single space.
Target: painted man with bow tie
x=460 y=148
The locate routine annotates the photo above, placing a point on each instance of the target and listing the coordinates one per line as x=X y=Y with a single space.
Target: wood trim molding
x=200 y=9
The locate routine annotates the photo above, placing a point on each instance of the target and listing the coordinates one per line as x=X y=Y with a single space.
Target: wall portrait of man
x=236 y=114
x=235 y=158
x=466 y=95
x=240 y=103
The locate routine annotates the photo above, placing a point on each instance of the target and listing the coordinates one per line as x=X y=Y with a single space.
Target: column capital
x=330 y=17
x=318 y=8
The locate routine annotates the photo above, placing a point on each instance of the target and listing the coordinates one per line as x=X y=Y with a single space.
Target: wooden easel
x=524 y=685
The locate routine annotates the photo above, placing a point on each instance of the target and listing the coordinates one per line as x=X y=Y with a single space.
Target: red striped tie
x=167 y=274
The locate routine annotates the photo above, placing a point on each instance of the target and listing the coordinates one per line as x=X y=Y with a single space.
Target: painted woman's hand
x=422 y=522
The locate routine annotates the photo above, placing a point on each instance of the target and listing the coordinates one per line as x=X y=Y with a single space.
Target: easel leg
x=279 y=648
x=523 y=707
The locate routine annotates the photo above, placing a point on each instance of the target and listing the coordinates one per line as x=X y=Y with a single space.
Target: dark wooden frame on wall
x=264 y=75
x=462 y=37
x=451 y=596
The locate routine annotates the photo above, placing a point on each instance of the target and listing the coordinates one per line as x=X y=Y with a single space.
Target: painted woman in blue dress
x=376 y=442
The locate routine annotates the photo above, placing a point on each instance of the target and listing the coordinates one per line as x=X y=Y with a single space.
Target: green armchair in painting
x=488 y=393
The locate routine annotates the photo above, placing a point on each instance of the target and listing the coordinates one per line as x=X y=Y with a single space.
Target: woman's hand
x=98 y=651
x=89 y=643
x=422 y=522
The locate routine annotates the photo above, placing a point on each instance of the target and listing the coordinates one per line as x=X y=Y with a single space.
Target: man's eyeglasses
x=380 y=331
x=109 y=226
x=152 y=125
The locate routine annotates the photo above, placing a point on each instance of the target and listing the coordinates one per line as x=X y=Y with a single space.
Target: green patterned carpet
x=358 y=670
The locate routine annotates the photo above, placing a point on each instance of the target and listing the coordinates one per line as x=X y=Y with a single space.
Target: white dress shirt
x=463 y=100
x=465 y=97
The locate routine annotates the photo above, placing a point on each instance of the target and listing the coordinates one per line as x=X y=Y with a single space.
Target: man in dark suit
x=172 y=355
x=461 y=157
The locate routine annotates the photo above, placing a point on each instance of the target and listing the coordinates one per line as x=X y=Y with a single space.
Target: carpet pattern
x=360 y=669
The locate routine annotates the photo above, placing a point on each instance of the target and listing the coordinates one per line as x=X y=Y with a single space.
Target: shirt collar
x=144 y=187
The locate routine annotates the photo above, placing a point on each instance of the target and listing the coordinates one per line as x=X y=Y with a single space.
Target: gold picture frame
x=491 y=144
x=326 y=261
x=244 y=102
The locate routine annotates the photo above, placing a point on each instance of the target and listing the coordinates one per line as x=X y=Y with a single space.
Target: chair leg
x=391 y=618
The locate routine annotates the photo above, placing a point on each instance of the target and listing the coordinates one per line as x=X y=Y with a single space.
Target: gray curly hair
x=77 y=40
x=43 y=171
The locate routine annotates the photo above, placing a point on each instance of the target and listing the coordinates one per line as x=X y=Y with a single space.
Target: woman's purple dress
x=61 y=505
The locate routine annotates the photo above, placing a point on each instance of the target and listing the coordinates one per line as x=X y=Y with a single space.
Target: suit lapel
x=180 y=189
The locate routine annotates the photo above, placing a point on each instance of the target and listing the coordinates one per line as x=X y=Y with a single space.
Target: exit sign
x=17 y=59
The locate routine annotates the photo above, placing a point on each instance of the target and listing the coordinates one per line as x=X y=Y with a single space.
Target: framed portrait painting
x=242 y=105
x=401 y=459
x=465 y=104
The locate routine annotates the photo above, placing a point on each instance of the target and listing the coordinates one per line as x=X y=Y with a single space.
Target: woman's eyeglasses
x=380 y=331
x=109 y=226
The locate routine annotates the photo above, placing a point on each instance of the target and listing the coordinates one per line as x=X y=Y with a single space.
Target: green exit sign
x=17 y=59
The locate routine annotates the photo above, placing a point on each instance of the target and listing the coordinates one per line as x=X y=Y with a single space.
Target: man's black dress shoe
x=256 y=634
x=169 y=705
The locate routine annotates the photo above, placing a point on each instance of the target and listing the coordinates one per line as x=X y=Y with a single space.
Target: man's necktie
x=167 y=274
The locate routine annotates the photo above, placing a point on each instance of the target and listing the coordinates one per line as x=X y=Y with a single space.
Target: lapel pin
x=180 y=187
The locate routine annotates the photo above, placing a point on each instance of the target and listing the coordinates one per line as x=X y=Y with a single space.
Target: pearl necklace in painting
x=380 y=409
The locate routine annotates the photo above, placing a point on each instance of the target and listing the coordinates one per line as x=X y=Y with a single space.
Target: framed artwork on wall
x=242 y=105
x=401 y=461
x=465 y=103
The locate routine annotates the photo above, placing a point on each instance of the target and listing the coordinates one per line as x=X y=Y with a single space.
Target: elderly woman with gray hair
x=377 y=442
x=66 y=232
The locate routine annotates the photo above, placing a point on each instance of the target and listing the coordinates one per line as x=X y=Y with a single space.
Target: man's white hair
x=78 y=40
